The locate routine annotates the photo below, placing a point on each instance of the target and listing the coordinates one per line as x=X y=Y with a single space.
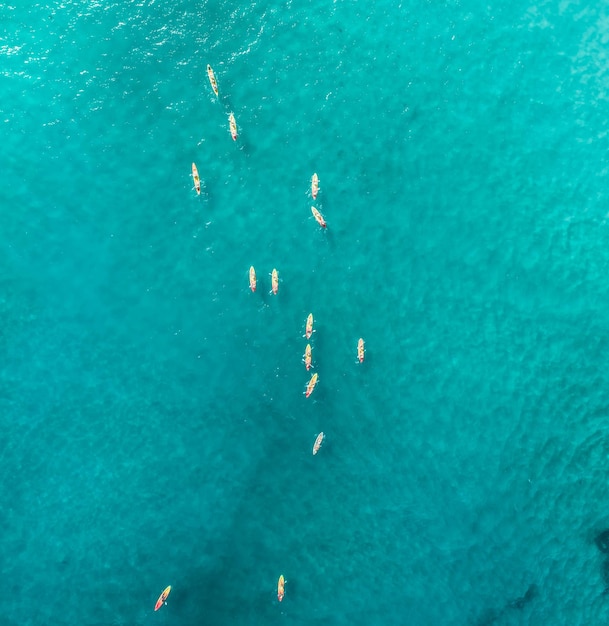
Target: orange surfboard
x=314 y=186
x=162 y=598
x=212 y=79
x=307 y=357
x=360 y=350
x=309 y=326
x=252 y=278
x=195 y=177
x=280 y=588
x=318 y=217
x=311 y=385
x=317 y=444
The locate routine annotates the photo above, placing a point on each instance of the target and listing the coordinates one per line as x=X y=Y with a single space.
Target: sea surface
x=154 y=429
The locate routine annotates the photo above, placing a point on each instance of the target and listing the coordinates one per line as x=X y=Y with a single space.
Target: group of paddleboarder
x=307 y=358
x=232 y=126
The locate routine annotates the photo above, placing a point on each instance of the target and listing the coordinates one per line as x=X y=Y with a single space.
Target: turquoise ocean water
x=154 y=427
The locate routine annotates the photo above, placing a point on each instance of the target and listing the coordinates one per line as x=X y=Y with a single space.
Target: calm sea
x=154 y=427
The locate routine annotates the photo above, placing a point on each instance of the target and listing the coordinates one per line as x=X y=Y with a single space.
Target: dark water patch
x=602 y=541
x=491 y=616
x=519 y=603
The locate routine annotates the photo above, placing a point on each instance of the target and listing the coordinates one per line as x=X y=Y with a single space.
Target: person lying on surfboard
x=162 y=598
